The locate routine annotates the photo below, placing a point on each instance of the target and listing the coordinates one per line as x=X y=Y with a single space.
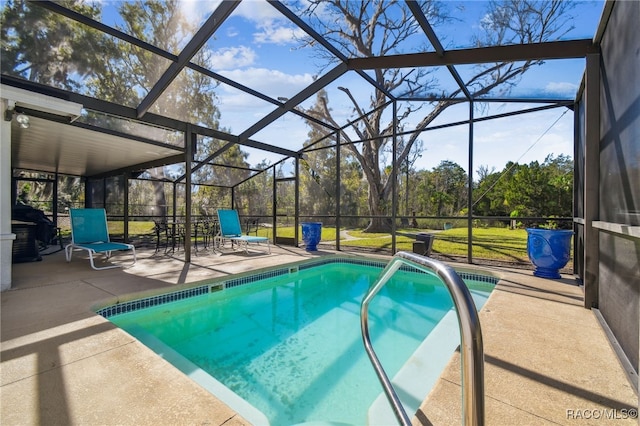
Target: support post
x=394 y=177
x=54 y=207
x=296 y=200
x=125 y=217
x=470 y=190
x=189 y=140
x=338 y=184
x=592 y=181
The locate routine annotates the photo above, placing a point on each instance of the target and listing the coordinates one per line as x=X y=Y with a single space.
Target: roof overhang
x=57 y=147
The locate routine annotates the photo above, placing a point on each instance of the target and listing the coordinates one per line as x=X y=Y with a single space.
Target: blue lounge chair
x=89 y=232
x=230 y=230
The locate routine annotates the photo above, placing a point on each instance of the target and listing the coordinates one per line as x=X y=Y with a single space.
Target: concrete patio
x=63 y=364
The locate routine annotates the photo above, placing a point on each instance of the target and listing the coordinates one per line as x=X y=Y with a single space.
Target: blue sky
x=259 y=48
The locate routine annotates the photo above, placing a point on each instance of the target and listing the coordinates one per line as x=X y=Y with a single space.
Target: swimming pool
x=288 y=346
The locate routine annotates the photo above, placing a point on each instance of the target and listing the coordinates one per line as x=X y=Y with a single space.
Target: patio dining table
x=174 y=233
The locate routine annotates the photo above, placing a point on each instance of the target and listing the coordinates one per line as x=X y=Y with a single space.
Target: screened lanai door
x=284 y=200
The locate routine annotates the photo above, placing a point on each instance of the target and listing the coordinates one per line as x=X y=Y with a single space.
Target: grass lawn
x=488 y=243
x=328 y=233
x=147 y=229
x=502 y=244
x=116 y=229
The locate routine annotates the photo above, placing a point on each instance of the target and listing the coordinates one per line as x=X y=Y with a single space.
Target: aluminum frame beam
x=512 y=53
x=78 y=17
x=435 y=42
x=205 y=32
x=324 y=43
x=297 y=99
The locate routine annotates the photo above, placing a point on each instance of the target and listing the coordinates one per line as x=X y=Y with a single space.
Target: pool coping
x=143 y=300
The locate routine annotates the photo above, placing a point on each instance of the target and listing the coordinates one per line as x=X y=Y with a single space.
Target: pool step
x=419 y=374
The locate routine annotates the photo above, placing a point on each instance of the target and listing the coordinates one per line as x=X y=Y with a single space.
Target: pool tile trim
x=147 y=302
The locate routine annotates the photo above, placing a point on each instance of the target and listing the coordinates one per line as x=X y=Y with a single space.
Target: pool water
x=291 y=346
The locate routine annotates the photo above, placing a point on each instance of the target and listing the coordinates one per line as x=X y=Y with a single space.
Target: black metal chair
x=251 y=226
x=167 y=235
x=196 y=231
x=209 y=229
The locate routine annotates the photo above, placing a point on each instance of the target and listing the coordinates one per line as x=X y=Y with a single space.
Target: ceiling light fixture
x=23 y=121
x=39 y=102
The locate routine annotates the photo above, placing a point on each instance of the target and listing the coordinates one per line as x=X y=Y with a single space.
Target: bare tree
x=378 y=28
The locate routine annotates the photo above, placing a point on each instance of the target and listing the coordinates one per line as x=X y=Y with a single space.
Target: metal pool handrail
x=470 y=337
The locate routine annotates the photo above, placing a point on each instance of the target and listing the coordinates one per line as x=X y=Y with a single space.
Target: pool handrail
x=471 y=349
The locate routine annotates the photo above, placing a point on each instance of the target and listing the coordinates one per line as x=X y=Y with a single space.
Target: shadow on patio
x=63 y=364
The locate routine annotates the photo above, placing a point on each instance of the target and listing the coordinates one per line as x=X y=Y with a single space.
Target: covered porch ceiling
x=56 y=147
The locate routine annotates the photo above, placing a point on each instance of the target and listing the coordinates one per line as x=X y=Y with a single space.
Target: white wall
x=6 y=236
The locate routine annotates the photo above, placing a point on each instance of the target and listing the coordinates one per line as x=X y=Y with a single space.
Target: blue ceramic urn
x=549 y=250
x=311 y=233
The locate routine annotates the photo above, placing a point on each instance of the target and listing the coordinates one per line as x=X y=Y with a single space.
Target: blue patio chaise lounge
x=89 y=232
x=230 y=229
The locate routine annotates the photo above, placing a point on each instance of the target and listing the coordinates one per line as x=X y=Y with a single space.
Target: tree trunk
x=160 y=200
x=376 y=207
x=378 y=224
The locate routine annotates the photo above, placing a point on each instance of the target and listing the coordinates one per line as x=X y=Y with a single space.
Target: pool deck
x=547 y=359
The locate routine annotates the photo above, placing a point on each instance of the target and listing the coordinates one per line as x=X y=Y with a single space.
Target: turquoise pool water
x=290 y=345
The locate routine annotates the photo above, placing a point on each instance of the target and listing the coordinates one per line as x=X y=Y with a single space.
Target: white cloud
x=561 y=88
x=270 y=32
x=272 y=26
x=236 y=100
x=271 y=82
x=257 y=11
x=240 y=110
x=232 y=32
x=232 y=57
x=197 y=10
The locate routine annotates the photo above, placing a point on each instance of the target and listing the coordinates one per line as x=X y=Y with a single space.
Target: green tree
x=377 y=28
x=190 y=98
x=48 y=48
x=488 y=197
x=405 y=177
x=319 y=174
x=255 y=195
x=450 y=184
x=532 y=189
x=560 y=199
x=424 y=187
